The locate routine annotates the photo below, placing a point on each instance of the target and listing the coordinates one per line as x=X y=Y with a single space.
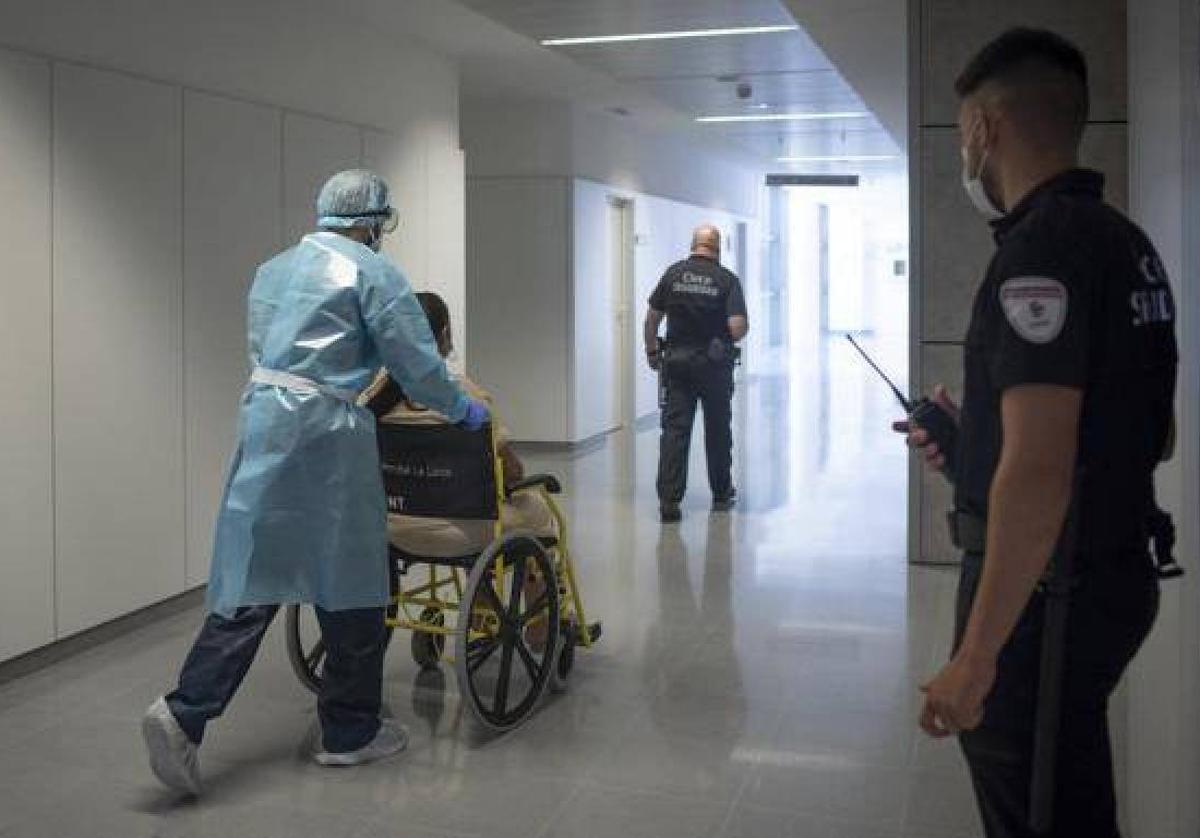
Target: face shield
x=391 y=220
x=387 y=220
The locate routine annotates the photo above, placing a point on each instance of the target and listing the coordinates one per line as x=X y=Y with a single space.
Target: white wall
x=517 y=139
x=232 y=157
x=518 y=300
x=26 y=443
x=592 y=347
x=118 y=344
x=507 y=139
x=615 y=150
x=179 y=145
x=1164 y=690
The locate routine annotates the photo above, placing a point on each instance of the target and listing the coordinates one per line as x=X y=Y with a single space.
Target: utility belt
x=679 y=359
x=300 y=384
x=968 y=533
x=717 y=351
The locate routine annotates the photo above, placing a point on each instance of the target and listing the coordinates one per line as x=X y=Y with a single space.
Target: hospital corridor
x=757 y=677
x=600 y=419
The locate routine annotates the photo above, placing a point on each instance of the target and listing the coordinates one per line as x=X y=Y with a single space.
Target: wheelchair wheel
x=428 y=648
x=564 y=662
x=305 y=648
x=501 y=675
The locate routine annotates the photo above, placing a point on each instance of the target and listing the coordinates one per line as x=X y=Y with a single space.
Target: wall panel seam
x=185 y=472
x=916 y=84
x=52 y=376
x=568 y=197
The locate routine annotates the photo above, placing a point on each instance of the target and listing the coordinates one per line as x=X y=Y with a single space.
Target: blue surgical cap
x=355 y=198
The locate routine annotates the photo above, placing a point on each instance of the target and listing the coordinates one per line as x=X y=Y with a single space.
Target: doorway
x=837 y=259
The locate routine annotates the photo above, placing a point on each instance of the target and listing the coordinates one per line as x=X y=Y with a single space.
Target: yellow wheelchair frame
x=473 y=589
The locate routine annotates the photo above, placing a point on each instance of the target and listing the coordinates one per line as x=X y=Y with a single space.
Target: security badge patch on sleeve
x=1036 y=307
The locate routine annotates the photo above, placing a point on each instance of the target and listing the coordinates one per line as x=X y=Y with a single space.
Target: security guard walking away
x=706 y=317
x=1070 y=366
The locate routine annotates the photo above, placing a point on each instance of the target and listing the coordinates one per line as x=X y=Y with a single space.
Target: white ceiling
x=868 y=41
x=788 y=72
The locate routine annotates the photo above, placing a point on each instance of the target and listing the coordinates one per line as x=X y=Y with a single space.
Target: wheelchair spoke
x=500 y=706
x=490 y=594
x=531 y=667
x=539 y=605
x=477 y=656
x=518 y=587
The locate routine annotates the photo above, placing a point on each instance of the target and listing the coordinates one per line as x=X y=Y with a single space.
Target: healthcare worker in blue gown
x=303 y=519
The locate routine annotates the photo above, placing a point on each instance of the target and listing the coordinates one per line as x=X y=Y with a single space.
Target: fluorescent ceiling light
x=784 y=117
x=840 y=158
x=668 y=36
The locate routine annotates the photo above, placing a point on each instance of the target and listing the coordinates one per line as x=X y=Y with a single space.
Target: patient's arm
x=514 y=469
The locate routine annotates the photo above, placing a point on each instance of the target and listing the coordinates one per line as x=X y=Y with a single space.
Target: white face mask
x=977 y=192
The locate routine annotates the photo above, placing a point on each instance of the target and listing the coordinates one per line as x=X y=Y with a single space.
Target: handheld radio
x=925 y=414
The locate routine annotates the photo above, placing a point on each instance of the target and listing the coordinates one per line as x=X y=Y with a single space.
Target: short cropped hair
x=436 y=311
x=1043 y=75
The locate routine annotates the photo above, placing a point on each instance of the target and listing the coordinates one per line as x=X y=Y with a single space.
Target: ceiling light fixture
x=840 y=158
x=667 y=36
x=783 y=117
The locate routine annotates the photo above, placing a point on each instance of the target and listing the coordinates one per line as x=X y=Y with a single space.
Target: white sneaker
x=174 y=759
x=391 y=739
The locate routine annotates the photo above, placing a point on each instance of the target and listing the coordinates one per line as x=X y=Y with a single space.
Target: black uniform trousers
x=691 y=379
x=1112 y=610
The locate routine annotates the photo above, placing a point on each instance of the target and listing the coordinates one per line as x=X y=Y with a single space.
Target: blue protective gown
x=303 y=517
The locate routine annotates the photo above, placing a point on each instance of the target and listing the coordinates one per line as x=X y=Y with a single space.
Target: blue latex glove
x=477 y=416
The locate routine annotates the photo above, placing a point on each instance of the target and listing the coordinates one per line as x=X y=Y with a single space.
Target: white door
x=620 y=237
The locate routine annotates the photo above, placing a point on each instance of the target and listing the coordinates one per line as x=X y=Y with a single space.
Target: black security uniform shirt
x=1076 y=296
x=698 y=296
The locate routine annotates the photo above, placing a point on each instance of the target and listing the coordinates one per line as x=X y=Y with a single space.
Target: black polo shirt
x=1076 y=296
x=698 y=296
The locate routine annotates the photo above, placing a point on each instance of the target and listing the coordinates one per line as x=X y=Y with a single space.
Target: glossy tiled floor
x=757 y=677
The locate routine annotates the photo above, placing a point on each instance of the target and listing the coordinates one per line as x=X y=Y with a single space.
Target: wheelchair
x=508 y=618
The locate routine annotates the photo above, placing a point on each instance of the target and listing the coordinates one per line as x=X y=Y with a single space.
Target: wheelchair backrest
x=439 y=471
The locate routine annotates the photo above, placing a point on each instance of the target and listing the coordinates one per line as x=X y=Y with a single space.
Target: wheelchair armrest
x=544 y=481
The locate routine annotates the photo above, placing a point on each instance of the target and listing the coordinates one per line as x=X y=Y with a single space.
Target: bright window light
x=784 y=117
x=840 y=158
x=668 y=36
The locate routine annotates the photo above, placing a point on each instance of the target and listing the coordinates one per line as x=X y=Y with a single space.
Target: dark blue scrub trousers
x=350 y=699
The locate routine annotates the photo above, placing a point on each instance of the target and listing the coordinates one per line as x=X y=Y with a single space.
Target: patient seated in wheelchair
x=444 y=538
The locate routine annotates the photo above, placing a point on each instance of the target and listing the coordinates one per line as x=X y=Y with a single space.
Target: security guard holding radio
x=1070 y=377
x=705 y=311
